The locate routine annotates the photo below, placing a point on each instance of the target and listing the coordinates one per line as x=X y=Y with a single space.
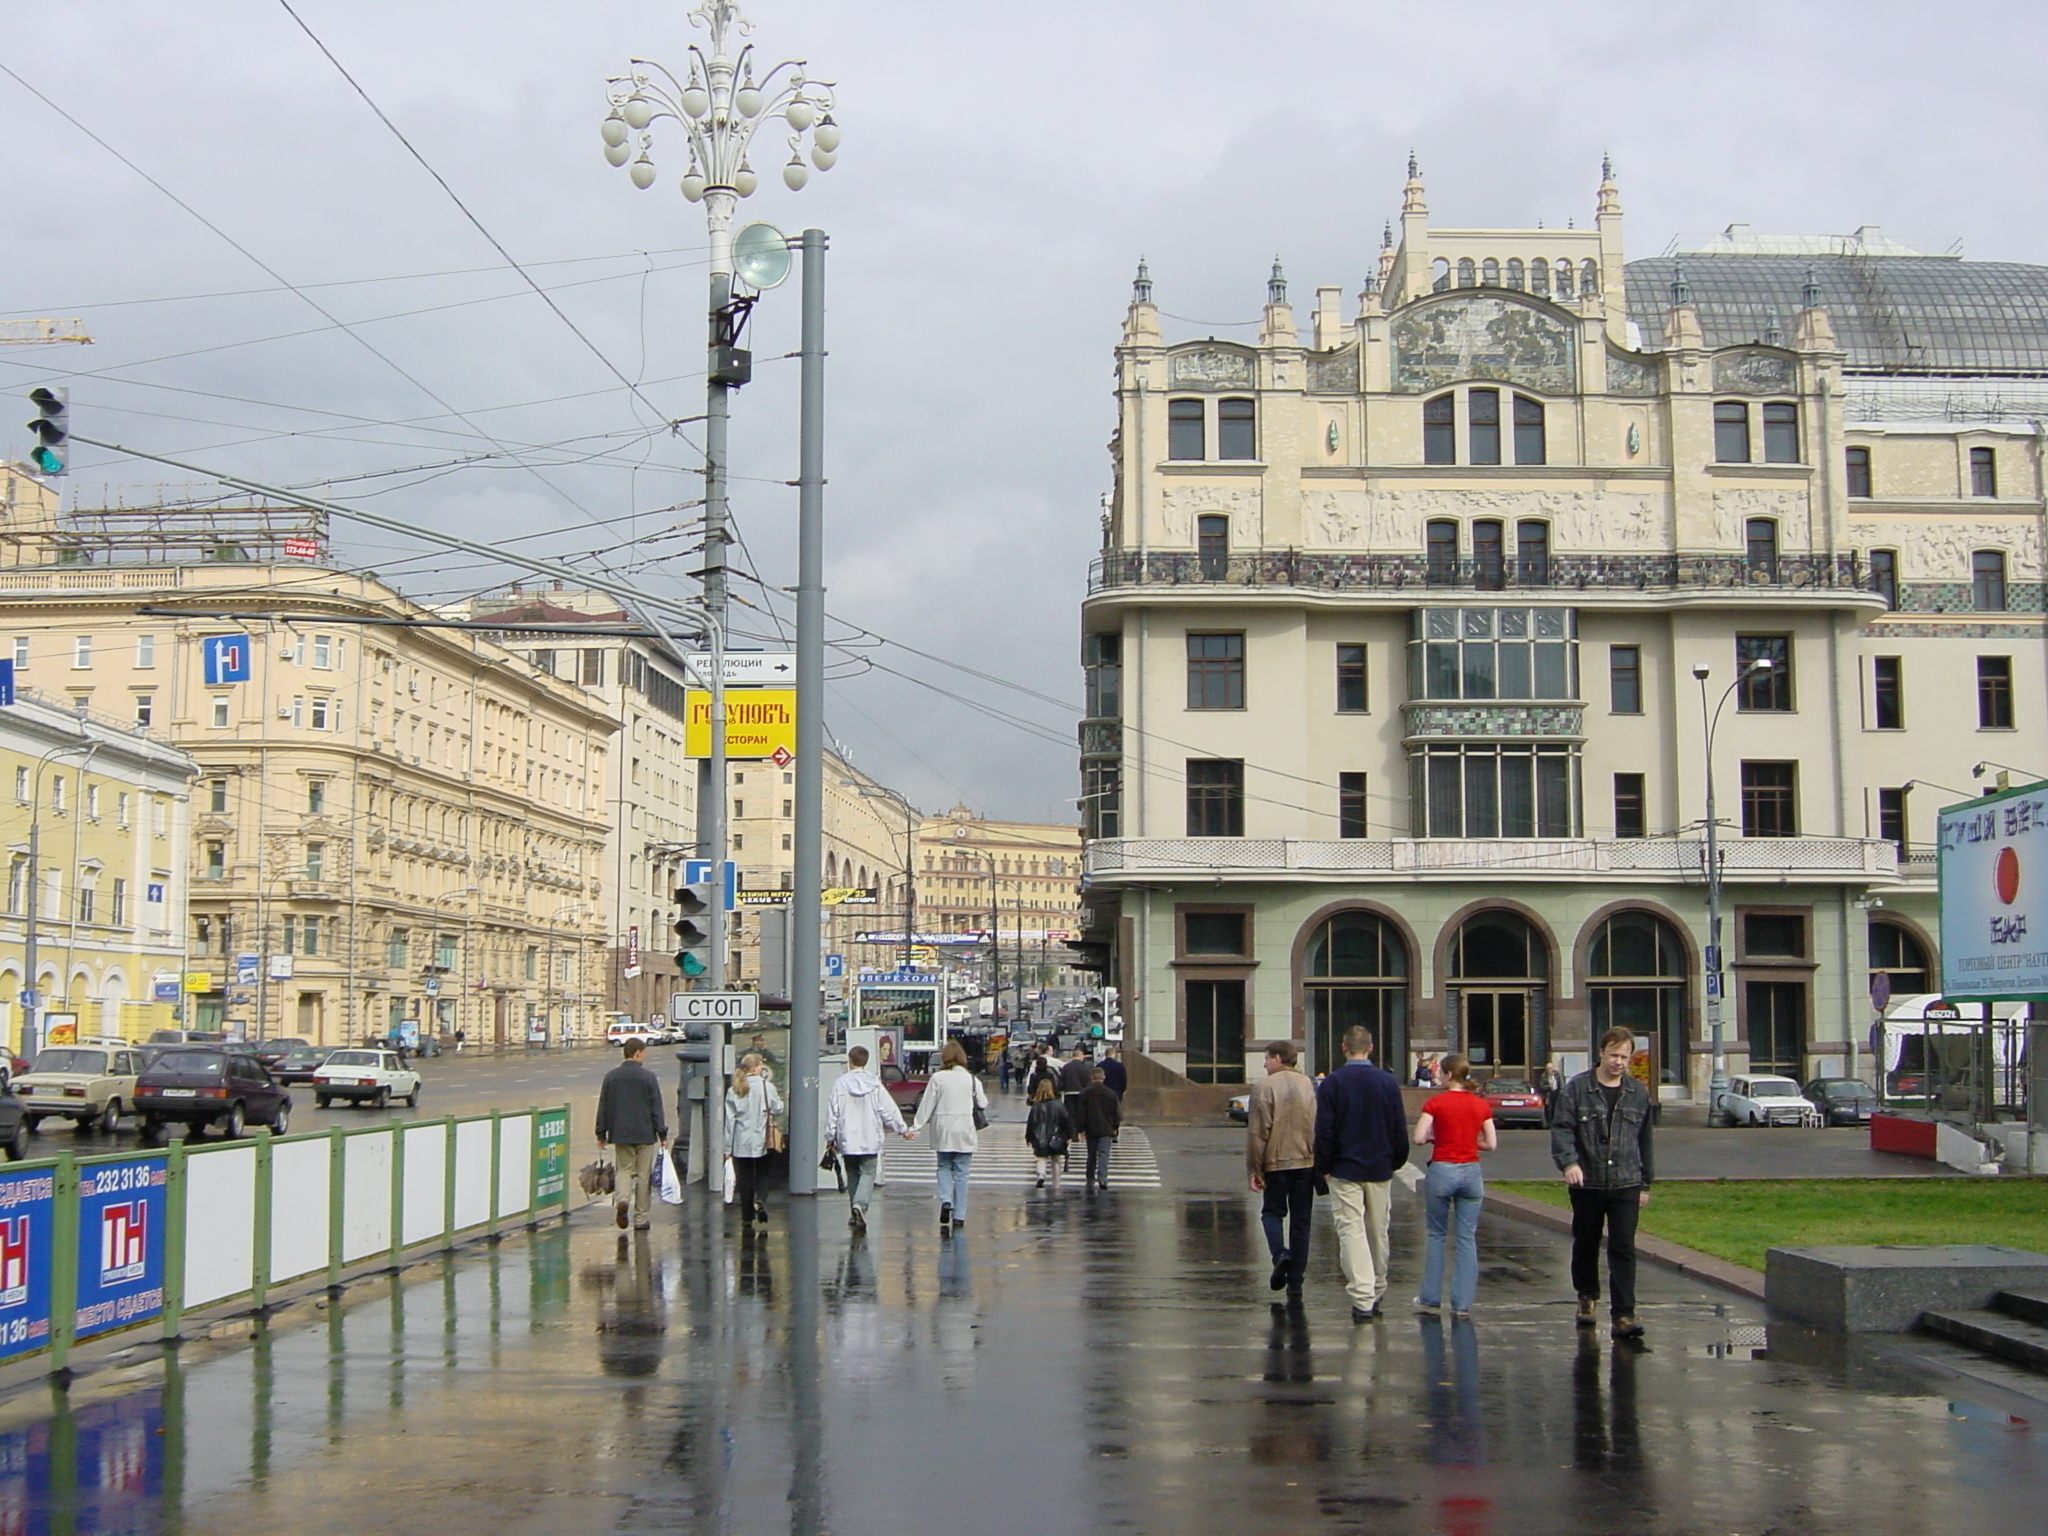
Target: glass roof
x=1892 y=314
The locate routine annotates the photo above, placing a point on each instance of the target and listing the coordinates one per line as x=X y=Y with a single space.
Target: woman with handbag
x=1048 y=1129
x=751 y=1132
x=956 y=1109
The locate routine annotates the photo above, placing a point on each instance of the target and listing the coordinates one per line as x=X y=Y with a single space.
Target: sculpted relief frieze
x=1733 y=509
x=1940 y=551
x=1180 y=505
x=1755 y=373
x=1209 y=368
x=1581 y=522
x=1482 y=337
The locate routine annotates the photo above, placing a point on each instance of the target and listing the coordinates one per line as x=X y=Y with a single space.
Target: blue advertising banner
x=120 y=1243
x=27 y=1223
x=6 y=682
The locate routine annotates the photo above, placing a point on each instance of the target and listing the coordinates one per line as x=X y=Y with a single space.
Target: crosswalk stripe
x=1003 y=1161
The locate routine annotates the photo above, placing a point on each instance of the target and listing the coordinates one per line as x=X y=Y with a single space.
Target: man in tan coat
x=1280 y=1151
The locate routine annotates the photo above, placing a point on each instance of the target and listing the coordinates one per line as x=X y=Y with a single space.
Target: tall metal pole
x=1718 y=1084
x=31 y=1006
x=806 y=905
x=713 y=781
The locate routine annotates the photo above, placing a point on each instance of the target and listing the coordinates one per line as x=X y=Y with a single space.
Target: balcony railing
x=1338 y=570
x=1853 y=859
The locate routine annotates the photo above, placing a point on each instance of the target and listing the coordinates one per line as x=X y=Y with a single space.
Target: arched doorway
x=1355 y=972
x=1635 y=975
x=1500 y=974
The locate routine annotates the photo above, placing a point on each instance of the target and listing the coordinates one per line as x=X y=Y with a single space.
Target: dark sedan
x=1842 y=1100
x=271 y=1052
x=197 y=1086
x=300 y=1063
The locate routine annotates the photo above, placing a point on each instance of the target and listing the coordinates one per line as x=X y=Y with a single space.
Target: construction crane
x=36 y=333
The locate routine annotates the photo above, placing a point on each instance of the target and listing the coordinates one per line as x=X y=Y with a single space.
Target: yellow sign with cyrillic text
x=758 y=721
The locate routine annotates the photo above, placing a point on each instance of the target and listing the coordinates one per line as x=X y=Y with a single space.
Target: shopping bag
x=666 y=1184
x=732 y=1182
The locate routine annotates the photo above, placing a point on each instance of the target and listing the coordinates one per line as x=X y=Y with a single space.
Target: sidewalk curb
x=1687 y=1261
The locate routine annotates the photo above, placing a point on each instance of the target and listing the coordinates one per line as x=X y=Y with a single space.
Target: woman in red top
x=1458 y=1123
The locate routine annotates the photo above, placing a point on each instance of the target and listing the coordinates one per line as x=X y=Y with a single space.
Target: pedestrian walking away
x=1600 y=1137
x=950 y=1100
x=1457 y=1125
x=1043 y=1070
x=751 y=1105
x=1361 y=1138
x=1113 y=1072
x=1076 y=1073
x=1280 y=1155
x=862 y=1113
x=461 y=1035
x=1048 y=1128
x=1100 y=1120
x=1003 y=1068
x=630 y=1120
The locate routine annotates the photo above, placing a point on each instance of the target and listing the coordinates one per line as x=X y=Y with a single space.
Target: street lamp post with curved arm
x=1712 y=722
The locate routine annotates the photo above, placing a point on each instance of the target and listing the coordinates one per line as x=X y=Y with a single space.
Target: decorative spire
x=1811 y=294
x=1606 y=167
x=1412 y=201
x=1141 y=289
x=1681 y=291
x=1276 y=285
x=1387 y=236
x=1414 y=167
x=1610 y=194
x=1774 y=331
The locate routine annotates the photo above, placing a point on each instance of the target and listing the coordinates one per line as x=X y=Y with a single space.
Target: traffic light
x=52 y=427
x=693 y=927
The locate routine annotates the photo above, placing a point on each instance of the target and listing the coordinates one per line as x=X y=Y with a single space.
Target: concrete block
x=1884 y=1290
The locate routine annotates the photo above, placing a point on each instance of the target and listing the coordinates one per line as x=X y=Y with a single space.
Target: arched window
x=1564 y=278
x=1760 y=547
x=1901 y=959
x=1500 y=968
x=1441 y=542
x=1529 y=444
x=1589 y=277
x=1355 y=972
x=1440 y=278
x=1635 y=980
x=1440 y=430
x=1468 y=273
x=1539 y=277
x=1532 y=553
x=1515 y=272
x=1489 y=273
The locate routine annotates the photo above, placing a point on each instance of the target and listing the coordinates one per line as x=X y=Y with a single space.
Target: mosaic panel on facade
x=1494 y=721
x=1755 y=373
x=1210 y=368
x=1486 y=337
x=1630 y=375
x=1334 y=373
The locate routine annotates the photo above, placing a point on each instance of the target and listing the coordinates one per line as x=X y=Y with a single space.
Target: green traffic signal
x=694 y=929
x=52 y=453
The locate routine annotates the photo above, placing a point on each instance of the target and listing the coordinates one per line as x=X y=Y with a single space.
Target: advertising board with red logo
x=121 y=1210
x=27 y=1219
x=1994 y=896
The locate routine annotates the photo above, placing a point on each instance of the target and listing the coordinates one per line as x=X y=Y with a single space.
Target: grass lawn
x=1737 y=1220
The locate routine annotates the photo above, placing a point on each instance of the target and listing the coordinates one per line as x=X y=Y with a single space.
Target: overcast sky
x=1003 y=167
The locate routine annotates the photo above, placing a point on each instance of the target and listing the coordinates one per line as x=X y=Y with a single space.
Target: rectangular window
x=1102 y=661
x=118 y=908
x=1215 y=1031
x=1764 y=663
x=17 y=883
x=1351 y=814
x=320 y=714
x=1212 y=547
x=1237 y=429
x=1888 y=693
x=216 y=860
x=217 y=796
x=1983 y=471
x=316 y=861
x=297 y=710
x=398 y=947
x=1770 y=800
x=1994 y=693
x=316 y=797
x=1482 y=420
x=789 y=808
x=1215 y=797
x=1441 y=543
x=1857 y=478
x=323 y=652
x=1489 y=554
x=1532 y=553
x=145 y=709
x=532 y=963
x=1494 y=790
x=444 y=948
x=1625 y=679
x=92 y=802
x=1891 y=818
x=81 y=651
x=590 y=667
x=1351 y=680
x=1529 y=444
x=121 y=804
x=786 y=842
x=21 y=786
x=309 y=941
x=1760 y=547
x=1494 y=653
x=1629 y=816
x=1440 y=430
x=57 y=782
x=145 y=650
x=1884 y=575
x=291 y=935
x=1185 y=437
x=1213 y=933
x=86 y=897
x=220 y=711
x=1773 y=936
x=21 y=643
x=1731 y=432
x=1781 y=433
x=1102 y=797
x=1215 y=671
x=1987 y=580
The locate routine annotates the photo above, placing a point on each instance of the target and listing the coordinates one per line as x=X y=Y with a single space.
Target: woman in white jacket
x=861 y=1111
x=749 y=1104
x=948 y=1106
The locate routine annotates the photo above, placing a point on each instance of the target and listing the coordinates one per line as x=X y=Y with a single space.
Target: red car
x=1515 y=1101
x=903 y=1088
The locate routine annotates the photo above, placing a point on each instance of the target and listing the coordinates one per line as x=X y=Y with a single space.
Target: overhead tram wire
x=304 y=297
x=442 y=182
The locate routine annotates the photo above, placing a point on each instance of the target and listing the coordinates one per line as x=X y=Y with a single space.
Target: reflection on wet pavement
x=1063 y=1364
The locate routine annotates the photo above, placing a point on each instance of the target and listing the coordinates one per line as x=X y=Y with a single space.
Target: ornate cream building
x=1019 y=879
x=390 y=825
x=1406 y=636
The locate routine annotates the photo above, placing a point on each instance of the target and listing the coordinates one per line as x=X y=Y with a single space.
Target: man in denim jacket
x=1600 y=1137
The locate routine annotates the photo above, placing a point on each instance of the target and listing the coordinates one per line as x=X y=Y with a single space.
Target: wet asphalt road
x=1065 y=1364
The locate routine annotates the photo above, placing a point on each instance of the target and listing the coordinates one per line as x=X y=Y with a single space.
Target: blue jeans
x=953 y=1168
x=1453 y=1191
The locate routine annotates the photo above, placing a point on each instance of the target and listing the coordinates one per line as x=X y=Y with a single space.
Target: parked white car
x=370 y=1077
x=1765 y=1100
x=90 y=1084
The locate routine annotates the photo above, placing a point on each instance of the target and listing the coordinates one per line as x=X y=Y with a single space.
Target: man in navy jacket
x=1361 y=1138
